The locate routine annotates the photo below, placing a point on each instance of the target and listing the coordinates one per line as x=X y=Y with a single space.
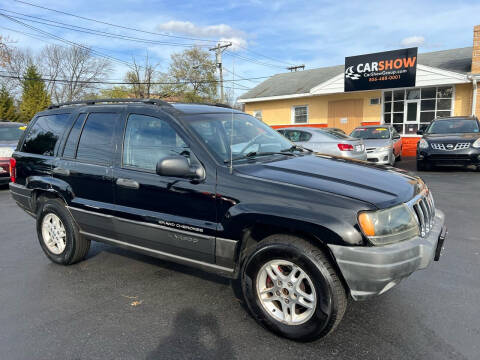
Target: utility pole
x=219 y=49
x=295 y=68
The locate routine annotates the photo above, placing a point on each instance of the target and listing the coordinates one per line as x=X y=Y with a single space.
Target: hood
x=370 y=143
x=380 y=186
x=451 y=137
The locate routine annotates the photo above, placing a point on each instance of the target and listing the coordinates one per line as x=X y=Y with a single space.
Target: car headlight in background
x=476 y=144
x=423 y=144
x=6 y=152
x=389 y=225
x=384 y=148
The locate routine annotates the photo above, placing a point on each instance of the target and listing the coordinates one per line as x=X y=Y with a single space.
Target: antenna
x=231 y=132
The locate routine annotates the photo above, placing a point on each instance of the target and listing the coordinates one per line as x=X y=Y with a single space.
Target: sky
x=267 y=36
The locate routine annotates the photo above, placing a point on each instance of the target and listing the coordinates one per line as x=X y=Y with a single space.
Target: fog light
x=420 y=157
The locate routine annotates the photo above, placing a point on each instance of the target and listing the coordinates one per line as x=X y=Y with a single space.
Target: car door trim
x=226 y=271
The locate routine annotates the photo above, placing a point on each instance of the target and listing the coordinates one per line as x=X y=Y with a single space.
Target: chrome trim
x=457 y=146
x=161 y=254
x=89 y=212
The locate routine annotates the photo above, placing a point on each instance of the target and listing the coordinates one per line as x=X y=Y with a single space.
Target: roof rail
x=99 y=101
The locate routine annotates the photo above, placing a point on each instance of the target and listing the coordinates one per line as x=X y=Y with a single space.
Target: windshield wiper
x=254 y=154
x=296 y=148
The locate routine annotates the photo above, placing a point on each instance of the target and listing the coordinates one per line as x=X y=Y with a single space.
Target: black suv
x=221 y=191
x=449 y=141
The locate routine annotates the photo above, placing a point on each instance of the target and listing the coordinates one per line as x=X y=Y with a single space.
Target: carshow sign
x=384 y=70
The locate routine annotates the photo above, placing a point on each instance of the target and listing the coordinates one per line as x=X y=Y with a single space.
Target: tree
x=8 y=112
x=116 y=92
x=72 y=70
x=194 y=72
x=34 y=96
x=141 y=78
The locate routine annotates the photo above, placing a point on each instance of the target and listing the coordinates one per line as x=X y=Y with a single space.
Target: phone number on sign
x=383 y=78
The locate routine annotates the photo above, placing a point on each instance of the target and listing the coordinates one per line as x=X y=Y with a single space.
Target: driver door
x=173 y=215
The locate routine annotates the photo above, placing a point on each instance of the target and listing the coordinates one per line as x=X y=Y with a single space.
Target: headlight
x=476 y=144
x=423 y=144
x=389 y=225
x=384 y=148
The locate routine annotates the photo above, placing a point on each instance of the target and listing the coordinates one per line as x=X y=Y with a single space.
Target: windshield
x=10 y=133
x=371 y=133
x=243 y=136
x=454 y=126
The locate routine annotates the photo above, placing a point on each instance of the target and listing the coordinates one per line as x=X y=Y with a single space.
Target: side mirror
x=419 y=132
x=396 y=137
x=179 y=166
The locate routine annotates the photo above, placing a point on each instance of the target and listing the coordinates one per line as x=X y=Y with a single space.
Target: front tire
x=292 y=289
x=58 y=234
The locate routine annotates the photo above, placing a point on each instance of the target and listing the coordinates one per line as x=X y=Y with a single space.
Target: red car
x=10 y=133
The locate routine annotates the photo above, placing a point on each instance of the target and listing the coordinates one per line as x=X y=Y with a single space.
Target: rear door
x=85 y=168
x=173 y=215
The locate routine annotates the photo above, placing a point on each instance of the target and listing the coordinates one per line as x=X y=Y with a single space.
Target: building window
x=411 y=109
x=375 y=101
x=258 y=114
x=300 y=114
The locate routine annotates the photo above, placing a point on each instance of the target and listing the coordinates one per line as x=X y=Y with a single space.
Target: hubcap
x=54 y=234
x=286 y=292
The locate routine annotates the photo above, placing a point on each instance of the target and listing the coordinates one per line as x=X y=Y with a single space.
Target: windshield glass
x=454 y=126
x=246 y=135
x=371 y=133
x=10 y=133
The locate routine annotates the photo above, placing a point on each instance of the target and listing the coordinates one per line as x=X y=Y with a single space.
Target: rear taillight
x=345 y=147
x=13 y=170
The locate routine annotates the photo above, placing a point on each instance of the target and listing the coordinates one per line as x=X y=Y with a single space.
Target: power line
x=115 y=25
x=148 y=32
x=93 y=31
x=255 y=61
x=184 y=82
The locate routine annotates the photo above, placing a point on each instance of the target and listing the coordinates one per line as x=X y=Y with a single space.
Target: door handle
x=128 y=183
x=61 y=171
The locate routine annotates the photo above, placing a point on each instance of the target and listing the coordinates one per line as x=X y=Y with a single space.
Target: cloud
x=220 y=31
x=413 y=41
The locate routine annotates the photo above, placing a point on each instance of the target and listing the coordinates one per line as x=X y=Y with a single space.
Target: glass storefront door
x=412 y=116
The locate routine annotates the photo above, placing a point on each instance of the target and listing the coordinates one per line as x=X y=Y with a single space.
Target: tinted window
x=10 y=133
x=333 y=135
x=96 y=141
x=71 y=144
x=296 y=135
x=148 y=139
x=45 y=133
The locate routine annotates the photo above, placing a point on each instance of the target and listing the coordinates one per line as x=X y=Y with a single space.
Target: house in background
x=445 y=86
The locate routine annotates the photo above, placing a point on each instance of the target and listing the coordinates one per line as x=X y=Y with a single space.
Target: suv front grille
x=424 y=209
x=450 y=147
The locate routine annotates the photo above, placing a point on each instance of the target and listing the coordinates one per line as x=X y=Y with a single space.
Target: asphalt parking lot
x=120 y=305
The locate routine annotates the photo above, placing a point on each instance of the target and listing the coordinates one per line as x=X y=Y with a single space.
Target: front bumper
x=380 y=157
x=470 y=156
x=371 y=271
x=354 y=155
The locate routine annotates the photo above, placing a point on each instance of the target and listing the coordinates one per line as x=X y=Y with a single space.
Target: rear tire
x=58 y=234
x=302 y=310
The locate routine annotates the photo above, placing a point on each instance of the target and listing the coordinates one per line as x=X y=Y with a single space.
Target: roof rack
x=100 y=101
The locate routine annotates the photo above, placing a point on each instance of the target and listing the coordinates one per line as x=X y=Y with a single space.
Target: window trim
x=292 y=114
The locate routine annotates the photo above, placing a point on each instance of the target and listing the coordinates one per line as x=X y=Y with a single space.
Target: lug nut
x=277 y=293
x=279 y=283
x=287 y=301
x=289 y=284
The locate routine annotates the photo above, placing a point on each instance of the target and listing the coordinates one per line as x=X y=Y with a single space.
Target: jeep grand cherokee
x=221 y=191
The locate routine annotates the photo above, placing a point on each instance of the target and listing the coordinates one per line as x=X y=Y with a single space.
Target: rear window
x=96 y=141
x=45 y=133
x=10 y=133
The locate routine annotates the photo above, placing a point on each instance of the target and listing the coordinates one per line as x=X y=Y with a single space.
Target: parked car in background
x=382 y=142
x=334 y=130
x=10 y=133
x=325 y=142
x=449 y=141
